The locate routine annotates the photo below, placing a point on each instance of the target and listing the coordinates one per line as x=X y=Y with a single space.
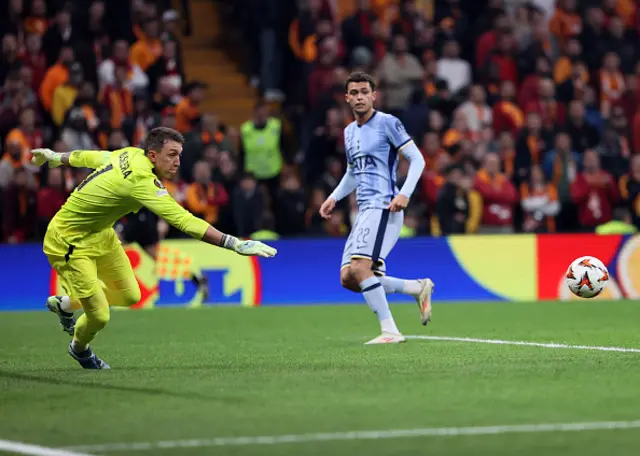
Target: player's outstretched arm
x=93 y=159
x=151 y=193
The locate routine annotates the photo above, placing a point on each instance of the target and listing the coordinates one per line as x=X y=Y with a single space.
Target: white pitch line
x=361 y=435
x=528 y=344
x=35 y=450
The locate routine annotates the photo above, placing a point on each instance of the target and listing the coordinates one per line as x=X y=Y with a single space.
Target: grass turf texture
x=202 y=373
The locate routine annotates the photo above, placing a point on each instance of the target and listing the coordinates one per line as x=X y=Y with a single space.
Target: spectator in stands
x=593 y=37
x=583 y=136
x=399 y=73
x=96 y=36
x=531 y=146
x=117 y=98
x=61 y=34
x=50 y=199
x=552 y=113
x=566 y=23
x=26 y=135
x=117 y=140
x=561 y=166
x=148 y=48
x=432 y=182
x=37 y=21
x=34 y=58
x=614 y=152
x=247 y=204
x=595 y=193
x=137 y=80
x=64 y=96
x=14 y=101
x=453 y=69
x=499 y=197
x=539 y=202
x=576 y=87
x=203 y=197
x=476 y=111
x=611 y=83
x=313 y=221
x=563 y=68
x=26 y=76
x=327 y=142
x=55 y=76
x=431 y=150
x=507 y=116
x=19 y=209
x=505 y=147
x=454 y=203
x=458 y=132
x=529 y=89
x=488 y=40
x=9 y=59
x=75 y=131
x=358 y=29
x=623 y=42
x=290 y=210
x=188 y=110
x=540 y=45
x=502 y=59
x=12 y=22
x=321 y=75
x=629 y=186
x=167 y=67
x=10 y=163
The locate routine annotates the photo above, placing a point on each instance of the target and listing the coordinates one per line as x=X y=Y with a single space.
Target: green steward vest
x=406 y=232
x=264 y=235
x=263 y=157
x=616 y=227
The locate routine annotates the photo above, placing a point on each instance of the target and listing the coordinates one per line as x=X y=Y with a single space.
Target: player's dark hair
x=360 y=76
x=158 y=137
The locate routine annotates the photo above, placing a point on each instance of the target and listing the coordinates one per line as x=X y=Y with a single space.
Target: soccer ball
x=587 y=276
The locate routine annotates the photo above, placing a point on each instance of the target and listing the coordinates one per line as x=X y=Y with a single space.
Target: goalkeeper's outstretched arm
x=149 y=193
x=93 y=159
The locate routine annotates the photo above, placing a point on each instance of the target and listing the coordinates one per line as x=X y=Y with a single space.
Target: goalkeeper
x=83 y=248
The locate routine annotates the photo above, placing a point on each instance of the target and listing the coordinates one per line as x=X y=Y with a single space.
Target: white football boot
x=424 y=300
x=387 y=338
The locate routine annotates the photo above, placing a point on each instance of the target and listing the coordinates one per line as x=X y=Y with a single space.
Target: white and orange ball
x=587 y=276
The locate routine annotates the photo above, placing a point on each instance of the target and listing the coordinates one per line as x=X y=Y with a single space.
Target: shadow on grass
x=77 y=382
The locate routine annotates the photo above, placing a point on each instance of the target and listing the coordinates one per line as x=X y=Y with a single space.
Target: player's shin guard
x=377 y=300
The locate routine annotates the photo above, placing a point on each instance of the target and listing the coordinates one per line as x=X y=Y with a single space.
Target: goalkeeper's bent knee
x=125 y=297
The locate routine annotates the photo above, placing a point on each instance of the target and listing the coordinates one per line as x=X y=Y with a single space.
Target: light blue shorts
x=374 y=233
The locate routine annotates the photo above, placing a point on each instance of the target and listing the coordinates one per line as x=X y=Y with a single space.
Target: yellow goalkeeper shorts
x=81 y=269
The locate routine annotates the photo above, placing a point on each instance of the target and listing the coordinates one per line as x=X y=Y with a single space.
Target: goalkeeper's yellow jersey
x=123 y=182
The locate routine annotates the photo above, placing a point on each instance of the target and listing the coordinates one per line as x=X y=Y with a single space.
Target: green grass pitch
x=182 y=374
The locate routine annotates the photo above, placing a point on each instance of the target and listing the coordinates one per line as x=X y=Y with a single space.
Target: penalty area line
x=362 y=435
x=526 y=344
x=35 y=450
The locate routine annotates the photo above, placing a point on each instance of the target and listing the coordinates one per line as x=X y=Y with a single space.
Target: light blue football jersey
x=372 y=156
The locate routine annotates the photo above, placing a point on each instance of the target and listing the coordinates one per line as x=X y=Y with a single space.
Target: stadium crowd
x=525 y=111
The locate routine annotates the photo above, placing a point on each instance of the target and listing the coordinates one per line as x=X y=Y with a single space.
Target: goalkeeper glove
x=42 y=156
x=247 y=248
x=254 y=248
